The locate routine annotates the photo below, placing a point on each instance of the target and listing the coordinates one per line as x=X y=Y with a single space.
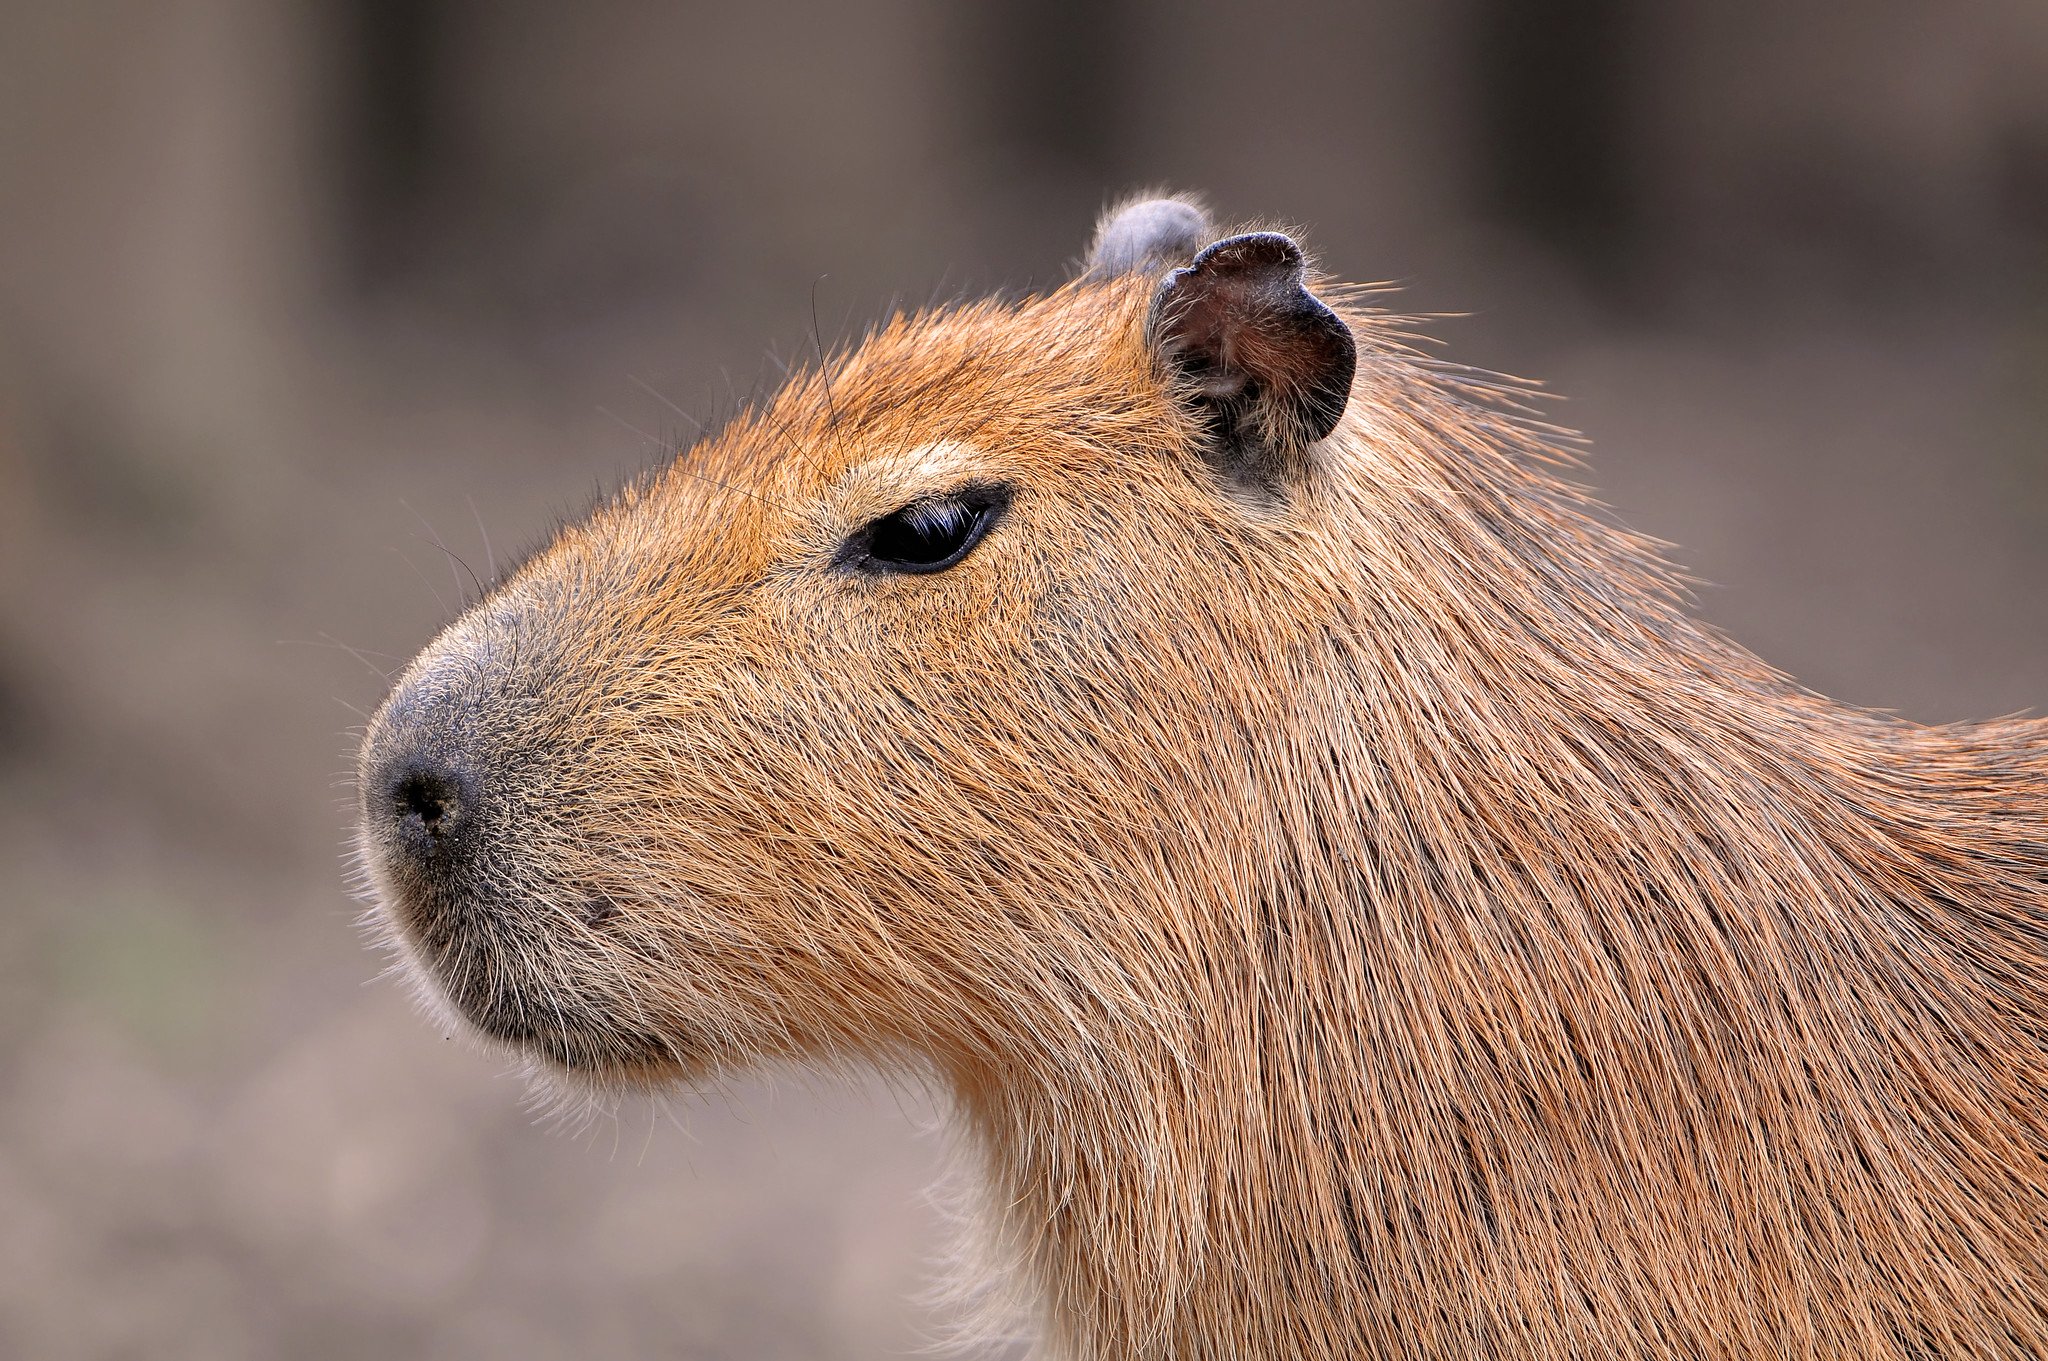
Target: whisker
x=455 y=559
x=658 y=396
x=432 y=589
x=490 y=558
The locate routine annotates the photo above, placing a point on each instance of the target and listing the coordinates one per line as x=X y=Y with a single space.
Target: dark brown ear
x=1268 y=363
x=1146 y=237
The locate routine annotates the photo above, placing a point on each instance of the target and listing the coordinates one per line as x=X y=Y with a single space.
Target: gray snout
x=456 y=795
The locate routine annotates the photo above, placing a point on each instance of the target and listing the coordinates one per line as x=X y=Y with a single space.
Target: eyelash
x=927 y=536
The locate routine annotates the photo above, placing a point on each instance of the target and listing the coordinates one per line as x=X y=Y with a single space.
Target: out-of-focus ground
x=290 y=294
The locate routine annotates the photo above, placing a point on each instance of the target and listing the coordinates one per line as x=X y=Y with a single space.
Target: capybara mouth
x=607 y=1051
x=566 y=1036
x=519 y=976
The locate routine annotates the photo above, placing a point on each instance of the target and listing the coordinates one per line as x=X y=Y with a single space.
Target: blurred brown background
x=290 y=291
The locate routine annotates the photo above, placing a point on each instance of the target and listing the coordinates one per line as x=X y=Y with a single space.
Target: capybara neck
x=1571 y=984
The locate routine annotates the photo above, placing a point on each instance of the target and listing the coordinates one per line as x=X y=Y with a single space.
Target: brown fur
x=1371 y=920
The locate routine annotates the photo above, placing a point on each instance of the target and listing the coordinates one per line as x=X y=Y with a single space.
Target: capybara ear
x=1147 y=236
x=1268 y=363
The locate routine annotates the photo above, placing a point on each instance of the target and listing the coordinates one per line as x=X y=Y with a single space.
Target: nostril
x=426 y=797
x=430 y=803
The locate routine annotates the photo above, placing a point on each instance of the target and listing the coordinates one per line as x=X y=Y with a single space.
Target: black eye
x=929 y=535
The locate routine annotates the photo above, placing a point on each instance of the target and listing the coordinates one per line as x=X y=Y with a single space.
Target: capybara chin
x=1353 y=908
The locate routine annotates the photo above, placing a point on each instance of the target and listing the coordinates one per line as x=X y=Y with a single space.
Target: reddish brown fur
x=1372 y=921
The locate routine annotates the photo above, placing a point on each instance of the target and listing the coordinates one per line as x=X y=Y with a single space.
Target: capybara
x=1350 y=907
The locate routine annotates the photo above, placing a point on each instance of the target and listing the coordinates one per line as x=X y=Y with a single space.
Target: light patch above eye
x=887 y=481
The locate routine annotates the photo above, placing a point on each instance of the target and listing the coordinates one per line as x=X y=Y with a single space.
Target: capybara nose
x=431 y=805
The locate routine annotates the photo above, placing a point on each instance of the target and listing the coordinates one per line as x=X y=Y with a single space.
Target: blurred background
x=293 y=294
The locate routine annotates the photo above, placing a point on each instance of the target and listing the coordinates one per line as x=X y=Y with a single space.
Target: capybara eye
x=929 y=535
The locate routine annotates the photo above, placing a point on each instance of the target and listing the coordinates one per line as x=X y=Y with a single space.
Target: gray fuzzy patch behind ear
x=1270 y=366
x=1146 y=237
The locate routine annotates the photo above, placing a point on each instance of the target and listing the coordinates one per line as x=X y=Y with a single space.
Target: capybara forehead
x=1076 y=358
x=1001 y=376
x=1030 y=386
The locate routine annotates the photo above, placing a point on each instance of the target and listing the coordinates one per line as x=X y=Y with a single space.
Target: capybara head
x=1356 y=910
x=862 y=729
